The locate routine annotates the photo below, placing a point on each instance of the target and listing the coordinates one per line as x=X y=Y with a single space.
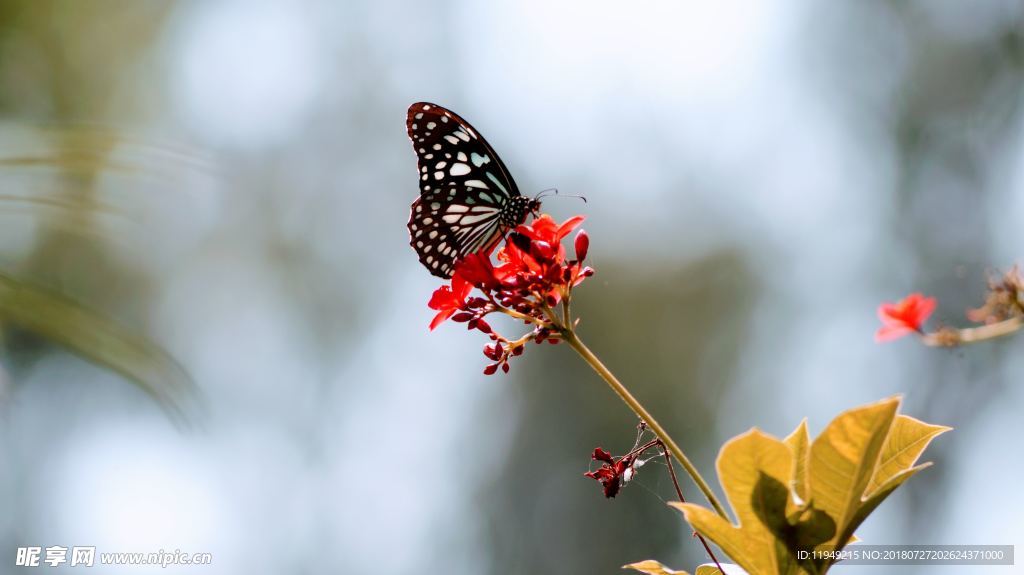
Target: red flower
x=545 y=229
x=547 y=234
x=531 y=276
x=477 y=269
x=612 y=473
x=448 y=300
x=903 y=317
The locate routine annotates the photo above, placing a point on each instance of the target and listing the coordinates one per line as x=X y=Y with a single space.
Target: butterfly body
x=468 y=200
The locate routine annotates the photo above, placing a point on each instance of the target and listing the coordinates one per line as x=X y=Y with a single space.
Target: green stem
x=948 y=337
x=573 y=340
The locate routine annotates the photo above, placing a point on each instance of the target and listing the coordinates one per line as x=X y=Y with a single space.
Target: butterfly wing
x=448 y=224
x=464 y=189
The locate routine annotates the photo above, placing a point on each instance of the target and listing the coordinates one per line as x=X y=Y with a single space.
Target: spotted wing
x=449 y=150
x=464 y=189
x=448 y=224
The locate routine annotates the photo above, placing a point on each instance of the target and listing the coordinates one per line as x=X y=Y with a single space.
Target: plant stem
x=950 y=336
x=679 y=492
x=573 y=340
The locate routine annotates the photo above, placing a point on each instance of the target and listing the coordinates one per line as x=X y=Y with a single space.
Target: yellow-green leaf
x=742 y=464
x=652 y=567
x=710 y=569
x=876 y=498
x=721 y=532
x=797 y=494
x=843 y=459
x=799 y=441
x=907 y=439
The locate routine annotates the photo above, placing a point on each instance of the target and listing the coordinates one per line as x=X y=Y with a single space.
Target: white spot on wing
x=496 y=181
x=460 y=169
x=469 y=220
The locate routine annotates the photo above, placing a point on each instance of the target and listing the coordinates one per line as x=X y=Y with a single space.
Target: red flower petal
x=461 y=288
x=440 y=298
x=602 y=455
x=476 y=269
x=891 y=332
x=448 y=300
x=440 y=317
x=569 y=225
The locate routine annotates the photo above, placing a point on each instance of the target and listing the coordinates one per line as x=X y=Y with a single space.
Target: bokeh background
x=230 y=180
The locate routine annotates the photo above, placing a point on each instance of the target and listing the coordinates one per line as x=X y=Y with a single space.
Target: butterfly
x=468 y=200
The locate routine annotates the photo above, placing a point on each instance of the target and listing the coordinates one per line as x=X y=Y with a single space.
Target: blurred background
x=230 y=181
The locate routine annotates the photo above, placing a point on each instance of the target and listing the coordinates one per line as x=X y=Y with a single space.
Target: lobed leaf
x=843 y=460
x=796 y=494
x=905 y=443
x=743 y=465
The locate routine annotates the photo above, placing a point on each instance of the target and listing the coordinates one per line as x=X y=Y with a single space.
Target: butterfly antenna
x=554 y=192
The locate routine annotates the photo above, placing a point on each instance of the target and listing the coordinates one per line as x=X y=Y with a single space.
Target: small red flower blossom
x=545 y=229
x=612 y=473
x=531 y=277
x=448 y=300
x=904 y=317
x=477 y=270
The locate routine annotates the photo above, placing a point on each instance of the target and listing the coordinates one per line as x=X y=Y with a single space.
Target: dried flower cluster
x=1005 y=299
x=613 y=472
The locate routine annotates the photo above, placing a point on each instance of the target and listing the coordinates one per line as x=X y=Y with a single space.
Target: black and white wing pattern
x=468 y=200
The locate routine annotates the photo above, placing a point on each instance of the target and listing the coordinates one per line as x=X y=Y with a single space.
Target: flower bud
x=483 y=326
x=493 y=352
x=582 y=245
